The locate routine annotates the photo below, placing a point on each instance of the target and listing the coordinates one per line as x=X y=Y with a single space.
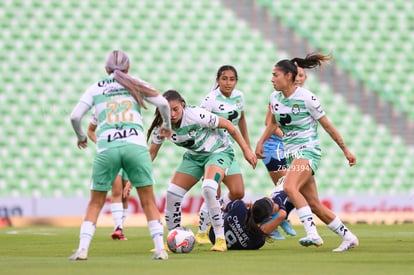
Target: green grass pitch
x=384 y=249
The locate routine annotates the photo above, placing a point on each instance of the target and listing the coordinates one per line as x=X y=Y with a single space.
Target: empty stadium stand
x=53 y=50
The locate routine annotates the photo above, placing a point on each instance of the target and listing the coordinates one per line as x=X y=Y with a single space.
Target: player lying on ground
x=247 y=226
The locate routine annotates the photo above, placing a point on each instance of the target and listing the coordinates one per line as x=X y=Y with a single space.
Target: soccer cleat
x=79 y=255
x=275 y=235
x=202 y=238
x=347 y=245
x=311 y=240
x=118 y=234
x=160 y=255
x=165 y=247
x=220 y=245
x=287 y=227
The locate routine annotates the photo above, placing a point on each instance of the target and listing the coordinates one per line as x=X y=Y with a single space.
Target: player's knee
x=116 y=195
x=289 y=189
x=208 y=193
x=236 y=195
x=209 y=188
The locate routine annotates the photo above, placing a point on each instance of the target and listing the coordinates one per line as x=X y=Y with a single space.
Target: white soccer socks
x=175 y=195
x=209 y=189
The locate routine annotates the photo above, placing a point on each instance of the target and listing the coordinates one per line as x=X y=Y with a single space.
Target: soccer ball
x=181 y=240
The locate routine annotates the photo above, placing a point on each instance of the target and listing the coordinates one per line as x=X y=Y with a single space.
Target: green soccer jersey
x=297 y=116
x=197 y=132
x=118 y=115
x=229 y=108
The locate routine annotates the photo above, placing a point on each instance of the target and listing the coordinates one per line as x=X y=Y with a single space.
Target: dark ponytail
x=311 y=60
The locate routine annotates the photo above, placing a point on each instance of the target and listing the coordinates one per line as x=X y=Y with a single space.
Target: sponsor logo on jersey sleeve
x=316 y=104
x=212 y=121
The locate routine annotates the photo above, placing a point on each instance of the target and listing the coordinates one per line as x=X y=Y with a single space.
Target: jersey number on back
x=119 y=111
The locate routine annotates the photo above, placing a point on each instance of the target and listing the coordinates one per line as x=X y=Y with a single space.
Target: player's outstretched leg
x=287 y=227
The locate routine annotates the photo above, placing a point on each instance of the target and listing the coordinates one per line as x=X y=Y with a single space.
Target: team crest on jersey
x=295 y=109
x=192 y=133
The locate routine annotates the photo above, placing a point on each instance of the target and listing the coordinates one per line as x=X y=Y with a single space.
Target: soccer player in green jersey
x=209 y=153
x=118 y=99
x=228 y=102
x=297 y=112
